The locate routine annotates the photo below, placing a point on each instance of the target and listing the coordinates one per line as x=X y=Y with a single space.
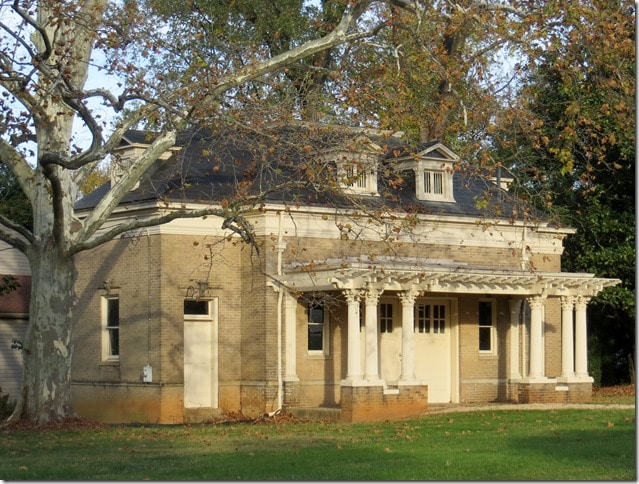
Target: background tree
x=570 y=141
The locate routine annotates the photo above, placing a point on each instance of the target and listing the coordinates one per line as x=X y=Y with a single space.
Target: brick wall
x=367 y=404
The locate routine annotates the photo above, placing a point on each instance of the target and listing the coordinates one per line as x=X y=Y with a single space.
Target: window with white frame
x=434 y=182
x=486 y=320
x=430 y=318
x=197 y=308
x=355 y=177
x=317 y=329
x=359 y=175
x=111 y=328
x=386 y=318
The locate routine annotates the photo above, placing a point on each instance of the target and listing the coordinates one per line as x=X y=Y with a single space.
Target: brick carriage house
x=335 y=312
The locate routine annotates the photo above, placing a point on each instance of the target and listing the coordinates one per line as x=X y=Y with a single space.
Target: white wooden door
x=197 y=363
x=433 y=348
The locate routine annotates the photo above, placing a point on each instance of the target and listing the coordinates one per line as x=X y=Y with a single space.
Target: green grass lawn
x=566 y=444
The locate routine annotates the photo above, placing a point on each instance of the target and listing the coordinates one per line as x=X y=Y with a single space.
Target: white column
x=354 y=364
x=515 y=310
x=408 y=334
x=567 y=338
x=371 y=371
x=536 y=337
x=290 y=322
x=581 y=338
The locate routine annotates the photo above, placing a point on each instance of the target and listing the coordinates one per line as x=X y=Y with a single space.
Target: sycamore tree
x=51 y=53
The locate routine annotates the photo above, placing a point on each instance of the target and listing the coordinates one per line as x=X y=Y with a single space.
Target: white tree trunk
x=46 y=392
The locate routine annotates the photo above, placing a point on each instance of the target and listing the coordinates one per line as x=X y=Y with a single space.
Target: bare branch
x=146 y=222
x=105 y=207
x=18 y=235
x=338 y=36
x=18 y=165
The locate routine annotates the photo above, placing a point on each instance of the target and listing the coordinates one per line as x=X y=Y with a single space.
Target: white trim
x=106 y=355
x=493 y=326
x=325 y=351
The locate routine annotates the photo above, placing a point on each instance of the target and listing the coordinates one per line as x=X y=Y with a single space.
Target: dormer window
x=356 y=177
x=433 y=169
x=359 y=176
x=357 y=162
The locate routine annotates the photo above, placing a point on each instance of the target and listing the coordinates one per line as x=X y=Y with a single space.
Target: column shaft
x=581 y=338
x=354 y=362
x=536 y=337
x=408 y=334
x=515 y=309
x=371 y=370
x=567 y=338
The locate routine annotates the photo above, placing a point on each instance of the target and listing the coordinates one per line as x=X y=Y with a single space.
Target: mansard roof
x=209 y=167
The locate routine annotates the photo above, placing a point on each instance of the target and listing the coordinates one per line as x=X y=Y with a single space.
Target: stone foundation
x=373 y=403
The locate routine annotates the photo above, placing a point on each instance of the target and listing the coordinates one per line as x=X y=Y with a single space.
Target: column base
x=354 y=382
x=373 y=403
x=575 y=379
x=551 y=391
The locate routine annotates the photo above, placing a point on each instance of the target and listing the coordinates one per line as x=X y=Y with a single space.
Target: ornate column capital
x=567 y=302
x=581 y=301
x=408 y=297
x=536 y=302
x=372 y=295
x=352 y=295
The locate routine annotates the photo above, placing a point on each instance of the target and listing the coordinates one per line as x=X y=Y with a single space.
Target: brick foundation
x=133 y=402
x=552 y=392
x=371 y=403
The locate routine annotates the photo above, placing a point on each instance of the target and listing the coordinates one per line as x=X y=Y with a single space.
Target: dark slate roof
x=214 y=166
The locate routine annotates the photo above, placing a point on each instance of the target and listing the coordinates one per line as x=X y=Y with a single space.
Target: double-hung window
x=486 y=320
x=111 y=328
x=317 y=329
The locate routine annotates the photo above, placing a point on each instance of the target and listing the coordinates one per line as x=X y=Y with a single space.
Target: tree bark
x=47 y=351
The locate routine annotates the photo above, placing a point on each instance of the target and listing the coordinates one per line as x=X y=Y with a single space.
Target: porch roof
x=435 y=276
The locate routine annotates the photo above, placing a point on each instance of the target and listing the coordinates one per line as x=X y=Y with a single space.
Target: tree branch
x=338 y=36
x=17 y=164
x=17 y=239
x=141 y=223
x=112 y=199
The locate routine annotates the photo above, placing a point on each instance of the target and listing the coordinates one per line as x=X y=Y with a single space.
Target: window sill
x=110 y=362
x=487 y=355
x=318 y=356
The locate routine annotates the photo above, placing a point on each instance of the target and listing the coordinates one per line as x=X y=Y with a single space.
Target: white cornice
x=324 y=223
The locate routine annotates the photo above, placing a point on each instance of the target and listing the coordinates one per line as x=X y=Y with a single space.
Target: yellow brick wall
x=153 y=274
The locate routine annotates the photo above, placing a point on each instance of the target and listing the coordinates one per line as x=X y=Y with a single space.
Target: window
x=385 y=318
x=196 y=307
x=430 y=317
x=317 y=329
x=433 y=183
x=355 y=177
x=111 y=328
x=486 y=326
x=358 y=175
